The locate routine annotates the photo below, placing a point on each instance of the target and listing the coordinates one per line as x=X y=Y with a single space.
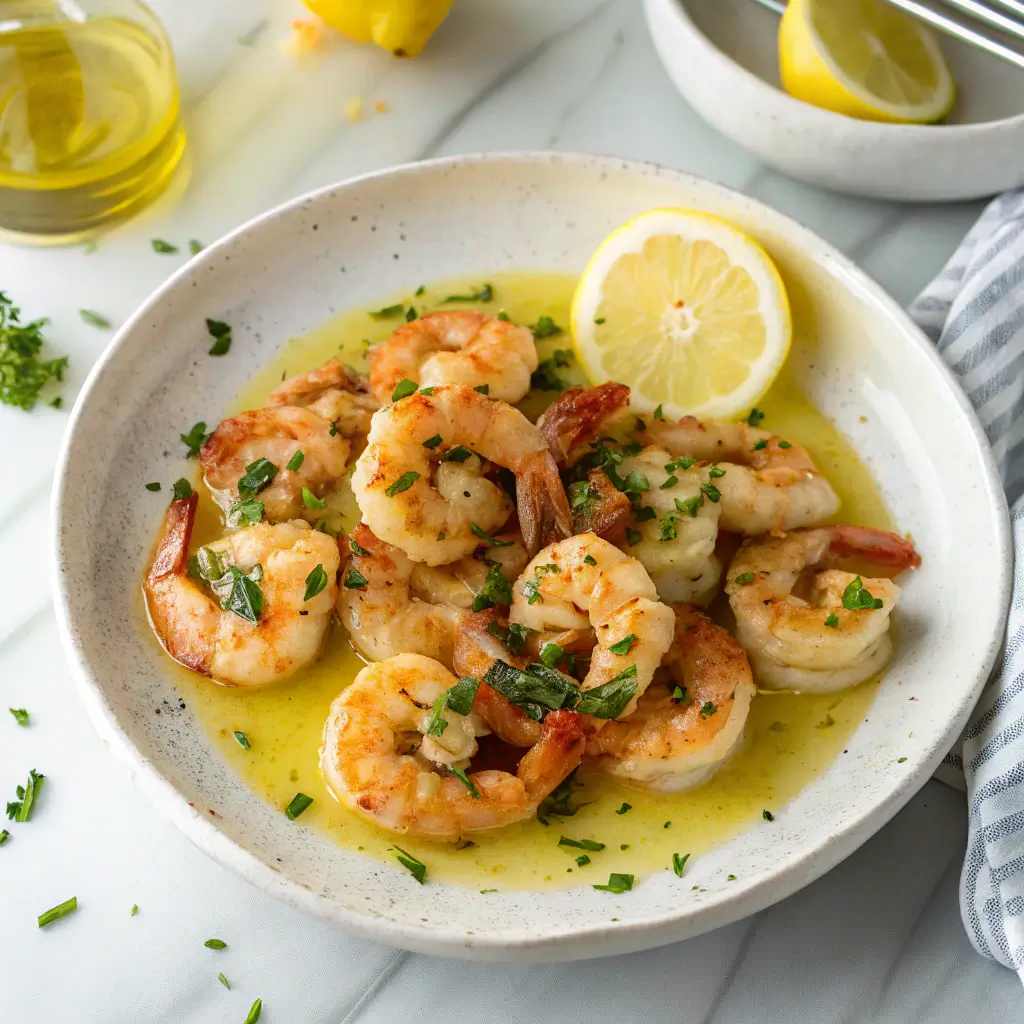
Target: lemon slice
x=863 y=58
x=687 y=310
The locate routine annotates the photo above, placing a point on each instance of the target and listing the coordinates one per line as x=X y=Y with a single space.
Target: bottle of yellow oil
x=89 y=127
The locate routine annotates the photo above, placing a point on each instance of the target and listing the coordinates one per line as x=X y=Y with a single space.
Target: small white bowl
x=722 y=56
x=856 y=354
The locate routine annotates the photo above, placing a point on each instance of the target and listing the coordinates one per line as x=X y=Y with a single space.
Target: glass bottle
x=89 y=127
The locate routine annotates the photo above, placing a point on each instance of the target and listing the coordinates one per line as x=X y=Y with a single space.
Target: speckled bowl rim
x=828 y=120
x=599 y=939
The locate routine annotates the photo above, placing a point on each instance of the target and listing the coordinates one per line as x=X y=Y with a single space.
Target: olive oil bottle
x=89 y=127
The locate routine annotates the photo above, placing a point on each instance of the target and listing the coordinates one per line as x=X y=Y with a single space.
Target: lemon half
x=687 y=310
x=863 y=58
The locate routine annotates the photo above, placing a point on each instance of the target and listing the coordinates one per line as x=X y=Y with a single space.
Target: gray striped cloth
x=974 y=312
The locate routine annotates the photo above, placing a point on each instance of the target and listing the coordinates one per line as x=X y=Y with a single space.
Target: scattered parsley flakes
x=484 y=389
x=403 y=389
x=461 y=775
x=310 y=500
x=679 y=862
x=403 y=483
x=57 y=912
x=590 y=560
x=23 y=375
x=617 y=883
x=767 y=815
x=832 y=620
x=223 y=981
x=215 y=944
x=20 y=715
x=679 y=695
x=485 y=293
x=545 y=327
x=633 y=536
x=298 y=804
x=496 y=590
x=387 y=312
x=744 y=577
x=707 y=709
x=254 y=1012
x=856 y=598
x=785 y=444
x=730 y=878
x=195 y=247
x=581 y=844
x=759 y=445
x=487 y=538
x=296 y=461
x=624 y=808
x=154 y=486
x=357 y=549
x=221 y=334
x=194 y=439
x=623 y=646
x=4 y=836
x=754 y=418
x=433 y=442
x=900 y=760
x=248 y=509
x=21 y=809
x=599 y=320
x=315 y=582
x=159 y=245
x=355 y=580
x=546 y=377
x=243 y=740
x=415 y=867
x=94 y=319
x=134 y=910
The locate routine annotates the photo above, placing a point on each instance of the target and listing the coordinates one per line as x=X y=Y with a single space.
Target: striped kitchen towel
x=974 y=312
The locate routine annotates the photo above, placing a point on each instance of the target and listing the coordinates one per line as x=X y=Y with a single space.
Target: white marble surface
x=879 y=939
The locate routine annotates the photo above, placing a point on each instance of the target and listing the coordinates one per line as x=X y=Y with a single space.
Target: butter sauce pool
x=790 y=740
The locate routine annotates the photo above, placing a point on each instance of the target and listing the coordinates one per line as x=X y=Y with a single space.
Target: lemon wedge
x=687 y=310
x=863 y=58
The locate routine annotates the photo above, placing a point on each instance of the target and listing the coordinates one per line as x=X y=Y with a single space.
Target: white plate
x=858 y=356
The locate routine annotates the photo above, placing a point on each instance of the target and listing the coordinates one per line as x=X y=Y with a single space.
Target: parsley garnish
x=551 y=654
x=658 y=414
x=670 y=482
x=767 y=815
x=195 y=247
x=590 y=560
x=617 y=883
x=403 y=483
x=194 y=439
x=415 y=867
x=623 y=646
x=427 y=391
x=310 y=500
x=599 y=320
x=633 y=536
x=785 y=444
x=755 y=417
x=411 y=314
x=257 y=475
x=461 y=775
x=215 y=944
x=459 y=698
x=420 y=291
x=679 y=862
x=545 y=327
x=635 y=483
x=546 y=377
x=387 y=312
x=689 y=506
x=559 y=800
x=298 y=804
x=581 y=844
x=254 y=1012
x=403 y=389
x=580 y=495
x=433 y=442
x=759 y=445
x=357 y=549
x=609 y=699
x=457 y=454
x=22 y=373
x=20 y=715
x=707 y=709
x=248 y=509
x=856 y=598
x=712 y=492
x=484 y=389
x=483 y=294
x=296 y=461
x=514 y=639
x=582 y=860
x=154 y=486
x=716 y=471
x=135 y=909
x=239 y=592
x=182 y=489
x=223 y=981
x=624 y=808
x=679 y=695
x=745 y=577
x=668 y=528
x=21 y=809
x=493 y=541
x=832 y=620
x=221 y=334
x=355 y=580
x=243 y=740
x=315 y=582
x=94 y=319
x=159 y=245
x=4 y=836
x=496 y=590
x=59 y=911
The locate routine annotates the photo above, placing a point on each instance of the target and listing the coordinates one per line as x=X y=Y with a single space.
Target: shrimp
x=335 y=393
x=585 y=581
x=275 y=435
x=459 y=584
x=459 y=347
x=578 y=417
x=671 y=743
x=433 y=521
x=600 y=507
x=676 y=545
x=276 y=630
x=378 y=759
x=830 y=630
x=769 y=484
x=377 y=606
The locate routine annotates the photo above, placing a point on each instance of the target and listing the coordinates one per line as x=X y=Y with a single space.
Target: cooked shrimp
x=335 y=393
x=377 y=606
x=458 y=347
x=585 y=581
x=830 y=630
x=278 y=563
x=578 y=417
x=600 y=508
x=378 y=759
x=460 y=583
x=677 y=544
x=426 y=436
x=770 y=483
x=275 y=435
x=671 y=743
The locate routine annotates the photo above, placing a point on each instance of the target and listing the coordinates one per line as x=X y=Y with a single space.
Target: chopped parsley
x=411 y=314
x=856 y=598
x=298 y=804
x=900 y=760
x=485 y=293
x=310 y=500
x=668 y=528
x=832 y=620
x=457 y=454
x=239 y=592
x=182 y=489
x=403 y=389
x=484 y=389
x=94 y=319
x=21 y=809
x=296 y=461
x=759 y=445
x=581 y=495
x=730 y=878
x=194 y=439
x=461 y=775
x=4 y=836
x=484 y=536
x=670 y=482
x=707 y=709
x=403 y=483
x=582 y=860
x=551 y=654
x=744 y=577
x=623 y=646
x=496 y=590
x=767 y=815
x=635 y=483
x=624 y=808
x=195 y=247
x=633 y=536
x=355 y=580
x=712 y=492
x=609 y=699
x=689 y=506
x=159 y=245
x=427 y=391
x=357 y=549
x=57 y=912
x=215 y=944
x=683 y=462
x=559 y=801
x=617 y=883
x=459 y=698
x=644 y=514
x=20 y=715
x=754 y=418
x=679 y=862
x=221 y=334
x=415 y=867
x=546 y=377
x=785 y=444
x=535 y=690
x=590 y=560
x=545 y=327
x=248 y=509
x=716 y=471
x=658 y=414
x=315 y=582
x=679 y=695
x=254 y=1012
x=243 y=740
x=514 y=639
x=599 y=320
x=257 y=475
x=135 y=909
x=23 y=375
x=581 y=844
x=154 y=486
x=387 y=312
x=223 y=981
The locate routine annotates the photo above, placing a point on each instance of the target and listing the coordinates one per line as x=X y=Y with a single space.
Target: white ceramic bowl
x=722 y=56
x=858 y=356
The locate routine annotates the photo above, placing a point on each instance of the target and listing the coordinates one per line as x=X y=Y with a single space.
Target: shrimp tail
x=171 y=555
x=888 y=551
x=555 y=756
x=544 y=515
x=578 y=416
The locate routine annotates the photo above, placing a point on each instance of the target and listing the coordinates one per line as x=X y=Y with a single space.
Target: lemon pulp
x=790 y=740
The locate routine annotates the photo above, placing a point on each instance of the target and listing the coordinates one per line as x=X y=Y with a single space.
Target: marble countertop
x=878 y=939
